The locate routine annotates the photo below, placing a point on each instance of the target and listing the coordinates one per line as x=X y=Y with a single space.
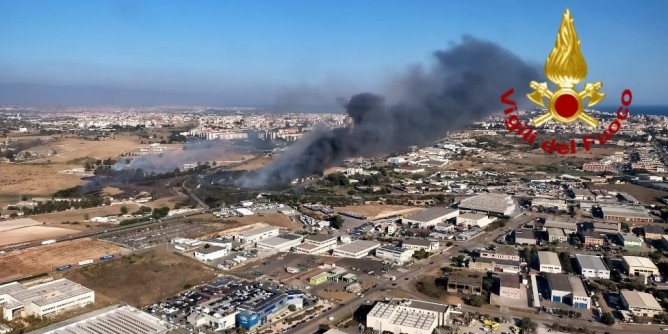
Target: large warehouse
x=592 y=266
x=394 y=254
x=637 y=266
x=356 y=249
x=407 y=316
x=640 y=304
x=431 y=216
x=125 y=319
x=257 y=234
x=317 y=244
x=44 y=299
x=626 y=213
x=498 y=204
x=281 y=243
x=549 y=262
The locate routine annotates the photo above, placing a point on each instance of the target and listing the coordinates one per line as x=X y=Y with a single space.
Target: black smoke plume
x=463 y=85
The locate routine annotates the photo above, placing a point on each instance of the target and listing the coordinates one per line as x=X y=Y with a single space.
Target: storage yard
x=46 y=258
x=158 y=234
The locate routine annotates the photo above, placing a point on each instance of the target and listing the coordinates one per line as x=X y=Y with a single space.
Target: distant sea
x=638 y=110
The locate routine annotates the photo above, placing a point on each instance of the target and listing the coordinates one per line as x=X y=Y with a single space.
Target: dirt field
x=643 y=194
x=30 y=179
x=78 y=215
x=31 y=233
x=139 y=279
x=253 y=165
x=68 y=149
x=7 y=225
x=46 y=258
x=337 y=295
x=273 y=219
x=376 y=210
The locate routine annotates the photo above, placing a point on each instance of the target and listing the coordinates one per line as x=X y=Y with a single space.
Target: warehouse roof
x=559 y=282
x=577 y=286
x=358 y=246
x=637 y=261
x=430 y=214
x=525 y=233
x=548 y=258
x=640 y=299
x=591 y=262
x=509 y=281
x=466 y=280
x=497 y=203
x=209 y=250
x=656 y=229
x=556 y=232
x=320 y=237
x=125 y=319
x=625 y=210
x=473 y=216
x=418 y=242
x=257 y=231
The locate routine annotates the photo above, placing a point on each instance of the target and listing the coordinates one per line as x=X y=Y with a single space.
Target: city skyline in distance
x=293 y=54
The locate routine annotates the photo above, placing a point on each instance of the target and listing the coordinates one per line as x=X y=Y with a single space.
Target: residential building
x=115 y=319
x=489 y=203
x=427 y=245
x=210 y=253
x=317 y=244
x=626 y=213
x=394 y=254
x=654 y=232
x=509 y=286
x=525 y=236
x=639 y=266
x=592 y=266
x=407 y=316
x=640 y=304
x=464 y=284
x=356 y=249
x=474 y=219
x=257 y=234
x=549 y=262
x=431 y=216
x=44 y=299
x=556 y=235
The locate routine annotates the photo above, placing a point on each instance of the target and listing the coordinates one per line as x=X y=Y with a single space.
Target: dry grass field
x=78 y=215
x=139 y=279
x=46 y=258
x=273 y=219
x=253 y=164
x=643 y=194
x=375 y=211
x=32 y=233
x=70 y=148
x=35 y=179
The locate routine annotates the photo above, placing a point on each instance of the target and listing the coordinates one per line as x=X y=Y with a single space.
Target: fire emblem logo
x=566 y=67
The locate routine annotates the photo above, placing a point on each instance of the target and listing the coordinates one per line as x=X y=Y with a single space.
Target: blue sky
x=249 y=51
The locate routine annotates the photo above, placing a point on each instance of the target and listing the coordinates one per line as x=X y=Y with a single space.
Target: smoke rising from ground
x=169 y=160
x=463 y=85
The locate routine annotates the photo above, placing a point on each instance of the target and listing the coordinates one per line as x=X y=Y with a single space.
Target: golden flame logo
x=566 y=67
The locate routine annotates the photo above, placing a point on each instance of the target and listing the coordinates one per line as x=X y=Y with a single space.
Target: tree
x=292 y=308
x=124 y=210
x=608 y=319
x=527 y=324
x=477 y=301
x=337 y=222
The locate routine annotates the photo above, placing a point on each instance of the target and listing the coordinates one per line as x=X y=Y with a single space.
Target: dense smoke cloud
x=463 y=85
x=192 y=152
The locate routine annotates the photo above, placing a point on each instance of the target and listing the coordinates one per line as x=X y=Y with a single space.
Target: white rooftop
x=637 y=261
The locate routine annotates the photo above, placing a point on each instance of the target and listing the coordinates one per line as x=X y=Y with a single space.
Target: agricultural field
x=120 y=279
x=46 y=258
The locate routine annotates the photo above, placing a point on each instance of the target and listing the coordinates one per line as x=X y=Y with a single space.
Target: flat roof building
x=407 y=316
x=210 y=253
x=549 y=262
x=394 y=254
x=639 y=266
x=431 y=216
x=509 y=286
x=560 y=288
x=421 y=244
x=556 y=235
x=115 y=319
x=525 y=236
x=257 y=234
x=640 y=304
x=474 y=219
x=630 y=240
x=43 y=299
x=317 y=244
x=592 y=266
x=579 y=298
x=499 y=204
x=464 y=284
x=356 y=249
x=281 y=243
x=626 y=213
x=654 y=232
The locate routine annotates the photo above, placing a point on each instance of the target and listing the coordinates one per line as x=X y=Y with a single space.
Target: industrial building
x=281 y=243
x=556 y=235
x=115 y=319
x=356 y=249
x=210 y=253
x=394 y=254
x=431 y=216
x=592 y=266
x=474 y=219
x=579 y=298
x=44 y=299
x=509 y=286
x=568 y=227
x=630 y=240
x=259 y=305
x=628 y=213
x=497 y=204
x=549 y=262
x=407 y=316
x=257 y=234
x=426 y=245
x=318 y=279
x=569 y=290
x=502 y=253
x=591 y=238
x=549 y=202
x=639 y=266
x=607 y=227
x=582 y=194
x=640 y=304
x=317 y=244
x=495 y=265
x=654 y=232
x=525 y=236
x=464 y=284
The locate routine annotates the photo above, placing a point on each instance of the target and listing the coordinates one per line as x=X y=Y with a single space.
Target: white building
x=257 y=234
x=394 y=254
x=489 y=203
x=431 y=216
x=426 y=245
x=549 y=202
x=637 y=266
x=474 y=219
x=125 y=319
x=407 y=316
x=549 y=262
x=317 y=244
x=592 y=266
x=280 y=243
x=640 y=303
x=210 y=253
x=44 y=299
x=356 y=249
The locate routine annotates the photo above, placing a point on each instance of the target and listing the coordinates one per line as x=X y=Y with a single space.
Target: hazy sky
x=253 y=51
